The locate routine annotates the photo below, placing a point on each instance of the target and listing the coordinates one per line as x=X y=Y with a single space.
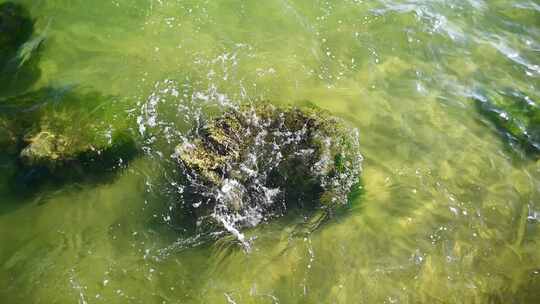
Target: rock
x=44 y=148
x=58 y=152
x=67 y=132
x=253 y=164
x=19 y=116
x=516 y=116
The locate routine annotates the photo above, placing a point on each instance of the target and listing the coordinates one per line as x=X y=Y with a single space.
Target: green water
x=450 y=210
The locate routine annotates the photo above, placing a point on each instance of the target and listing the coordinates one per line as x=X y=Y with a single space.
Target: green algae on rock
x=516 y=115
x=58 y=152
x=252 y=164
x=64 y=131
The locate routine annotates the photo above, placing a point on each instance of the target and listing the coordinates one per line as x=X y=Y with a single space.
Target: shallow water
x=450 y=211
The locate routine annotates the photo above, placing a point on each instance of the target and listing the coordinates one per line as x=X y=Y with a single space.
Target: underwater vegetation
x=19 y=49
x=254 y=163
x=65 y=133
x=515 y=115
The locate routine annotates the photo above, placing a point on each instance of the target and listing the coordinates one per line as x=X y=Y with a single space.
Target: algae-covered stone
x=516 y=115
x=67 y=130
x=252 y=164
x=60 y=152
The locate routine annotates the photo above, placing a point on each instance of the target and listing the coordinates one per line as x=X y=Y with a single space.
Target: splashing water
x=241 y=165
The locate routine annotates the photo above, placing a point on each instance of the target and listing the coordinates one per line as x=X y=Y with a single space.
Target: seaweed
x=515 y=115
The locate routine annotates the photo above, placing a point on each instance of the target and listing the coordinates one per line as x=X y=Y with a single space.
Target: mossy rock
x=67 y=132
x=516 y=115
x=254 y=163
x=58 y=152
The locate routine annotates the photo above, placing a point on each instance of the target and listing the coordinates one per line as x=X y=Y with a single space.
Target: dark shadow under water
x=20 y=49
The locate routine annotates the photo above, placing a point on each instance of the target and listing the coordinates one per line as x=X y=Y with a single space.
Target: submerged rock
x=516 y=115
x=58 y=152
x=65 y=132
x=253 y=164
x=45 y=148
